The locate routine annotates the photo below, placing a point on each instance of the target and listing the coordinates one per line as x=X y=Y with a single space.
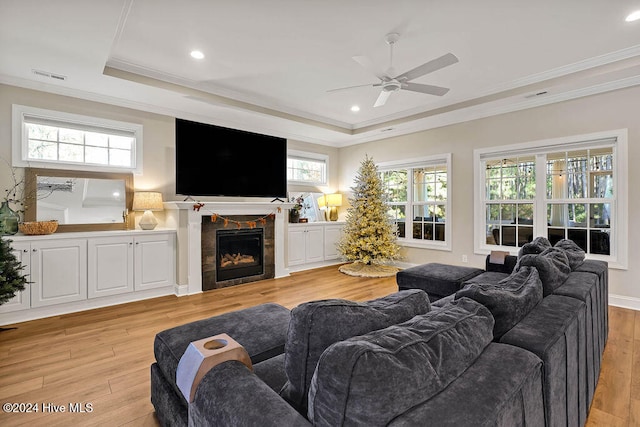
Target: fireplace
x=239 y=253
x=233 y=256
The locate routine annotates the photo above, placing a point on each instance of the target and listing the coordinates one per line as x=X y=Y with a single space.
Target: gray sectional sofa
x=515 y=345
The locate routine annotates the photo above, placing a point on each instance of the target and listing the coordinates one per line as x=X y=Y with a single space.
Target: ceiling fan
x=390 y=82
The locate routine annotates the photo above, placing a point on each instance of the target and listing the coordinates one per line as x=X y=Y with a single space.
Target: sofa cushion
x=503 y=387
x=438 y=280
x=574 y=253
x=552 y=265
x=371 y=379
x=509 y=300
x=487 y=277
x=316 y=325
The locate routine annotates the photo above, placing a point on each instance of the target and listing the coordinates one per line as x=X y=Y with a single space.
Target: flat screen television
x=217 y=161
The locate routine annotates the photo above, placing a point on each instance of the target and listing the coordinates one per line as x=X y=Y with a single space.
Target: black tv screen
x=218 y=161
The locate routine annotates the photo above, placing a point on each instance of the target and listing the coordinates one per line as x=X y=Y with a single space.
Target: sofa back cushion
x=371 y=379
x=509 y=300
x=316 y=325
x=553 y=267
x=537 y=246
x=574 y=253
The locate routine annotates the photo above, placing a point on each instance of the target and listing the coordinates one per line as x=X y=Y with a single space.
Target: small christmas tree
x=369 y=238
x=11 y=278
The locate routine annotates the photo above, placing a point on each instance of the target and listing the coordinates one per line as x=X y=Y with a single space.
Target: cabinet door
x=22 y=299
x=110 y=266
x=332 y=235
x=315 y=244
x=58 y=271
x=154 y=257
x=296 y=246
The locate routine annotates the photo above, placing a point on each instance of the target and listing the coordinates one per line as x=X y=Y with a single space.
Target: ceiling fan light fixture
x=633 y=16
x=391 y=86
x=196 y=54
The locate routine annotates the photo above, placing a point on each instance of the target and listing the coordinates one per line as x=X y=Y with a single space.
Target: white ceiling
x=269 y=65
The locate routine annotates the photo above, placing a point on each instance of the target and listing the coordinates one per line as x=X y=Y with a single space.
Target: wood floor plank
x=103 y=356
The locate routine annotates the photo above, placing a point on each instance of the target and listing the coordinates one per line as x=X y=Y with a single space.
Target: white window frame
x=414 y=163
x=619 y=231
x=20 y=139
x=315 y=157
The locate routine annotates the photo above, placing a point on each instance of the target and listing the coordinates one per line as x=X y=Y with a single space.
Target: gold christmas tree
x=369 y=238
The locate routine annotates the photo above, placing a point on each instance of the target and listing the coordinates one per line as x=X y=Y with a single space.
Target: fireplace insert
x=239 y=253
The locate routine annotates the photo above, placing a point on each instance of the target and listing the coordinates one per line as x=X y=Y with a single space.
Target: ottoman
x=437 y=280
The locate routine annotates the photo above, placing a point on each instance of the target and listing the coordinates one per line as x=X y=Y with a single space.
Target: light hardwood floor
x=102 y=356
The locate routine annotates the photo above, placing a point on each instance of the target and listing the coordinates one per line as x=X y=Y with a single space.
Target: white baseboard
x=181 y=290
x=87 y=304
x=631 y=303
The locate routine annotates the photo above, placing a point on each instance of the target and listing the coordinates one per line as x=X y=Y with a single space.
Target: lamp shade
x=147 y=201
x=334 y=199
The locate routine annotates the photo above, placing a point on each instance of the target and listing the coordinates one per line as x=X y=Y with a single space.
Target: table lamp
x=333 y=201
x=147 y=201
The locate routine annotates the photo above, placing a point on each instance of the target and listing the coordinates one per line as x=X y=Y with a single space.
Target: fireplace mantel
x=187 y=219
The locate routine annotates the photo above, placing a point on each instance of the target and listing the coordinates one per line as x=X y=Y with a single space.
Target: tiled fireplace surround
x=188 y=221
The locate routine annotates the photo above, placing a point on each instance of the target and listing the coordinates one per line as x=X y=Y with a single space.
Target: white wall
x=614 y=110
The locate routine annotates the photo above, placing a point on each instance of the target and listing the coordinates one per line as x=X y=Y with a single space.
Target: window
x=571 y=188
x=306 y=168
x=417 y=194
x=48 y=138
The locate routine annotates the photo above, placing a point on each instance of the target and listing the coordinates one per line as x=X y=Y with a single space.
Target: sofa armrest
x=508 y=266
x=231 y=395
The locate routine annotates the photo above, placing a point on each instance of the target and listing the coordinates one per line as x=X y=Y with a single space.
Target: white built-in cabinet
x=77 y=271
x=313 y=243
x=122 y=264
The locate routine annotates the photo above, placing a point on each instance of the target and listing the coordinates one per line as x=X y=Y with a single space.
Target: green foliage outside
x=369 y=234
x=11 y=278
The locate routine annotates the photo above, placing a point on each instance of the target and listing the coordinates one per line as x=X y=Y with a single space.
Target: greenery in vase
x=299 y=204
x=369 y=234
x=13 y=195
x=11 y=278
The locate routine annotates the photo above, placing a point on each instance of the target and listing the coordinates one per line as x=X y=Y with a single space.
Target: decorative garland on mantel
x=239 y=224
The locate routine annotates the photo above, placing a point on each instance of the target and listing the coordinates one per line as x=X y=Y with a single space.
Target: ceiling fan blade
x=371 y=67
x=428 y=67
x=382 y=98
x=350 y=87
x=430 y=89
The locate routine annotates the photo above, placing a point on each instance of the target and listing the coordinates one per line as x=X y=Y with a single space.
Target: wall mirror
x=310 y=208
x=78 y=200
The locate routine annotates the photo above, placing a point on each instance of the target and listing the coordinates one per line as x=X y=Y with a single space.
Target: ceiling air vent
x=49 y=75
x=533 y=95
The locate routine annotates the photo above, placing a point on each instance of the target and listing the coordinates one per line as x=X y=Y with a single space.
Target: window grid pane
x=585 y=175
x=426 y=187
x=74 y=145
x=306 y=170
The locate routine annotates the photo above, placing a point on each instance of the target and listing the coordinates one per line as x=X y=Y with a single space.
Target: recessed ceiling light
x=634 y=16
x=355 y=108
x=197 y=54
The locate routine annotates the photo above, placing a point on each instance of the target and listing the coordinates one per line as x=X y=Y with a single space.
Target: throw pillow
x=316 y=325
x=574 y=253
x=509 y=300
x=371 y=379
x=552 y=265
